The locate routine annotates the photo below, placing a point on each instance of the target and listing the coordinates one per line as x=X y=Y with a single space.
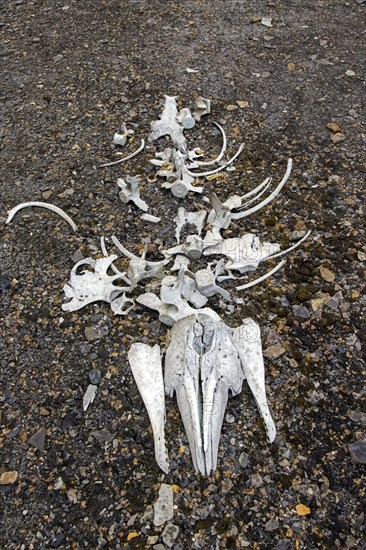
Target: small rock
x=267 y=22
x=231 y=107
x=38 y=439
x=317 y=303
x=359 y=417
x=47 y=194
x=334 y=301
x=8 y=478
x=58 y=540
x=300 y=312
x=152 y=539
x=296 y=527
x=159 y=547
x=4 y=283
x=275 y=351
x=163 y=507
x=338 y=137
x=230 y=419
x=103 y=436
x=244 y=460
x=243 y=104
x=334 y=127
x=169 y=534
x=297 y=235
x=271 y=525
x=77 y=256
x=101 y=543
x=226 y=485
x=89 y=396
x=284 y=544
x=95 y=376
x=357 y=451
x=361 y=256
x=91 y=334
x=59 y=484
x=256 y=481
x=327 y=275
x=58 y=57
x=350 y=73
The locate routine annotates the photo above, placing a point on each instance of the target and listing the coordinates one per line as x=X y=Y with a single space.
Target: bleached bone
x=183 y=182
x=186 y=119
x=263 y=277
x=183 y=217
x=139 y=268
x=92 y=286
x=220 y=168
x=240 y=215
x=168 y=125
x=206 y=284
x=248 y=343
x=243 y=253
x=145 y=363
x=267 y=182
x=291 y=248
x=180 y=261
x=192 y=154
x=89 y=396
x=130 y=192
x=201 y=365
x=150 y=218
x=203 y=107
x=113 y=267
x=192 y=247
x=187 y=288
x=46 y=205
x=120 y=138
x=118 y=304
x=128 y=157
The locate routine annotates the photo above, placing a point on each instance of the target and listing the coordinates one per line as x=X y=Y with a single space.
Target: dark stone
x=4 y=283
x=95 y=376
x=357 y=451
x=58 y=540
x=38 y=439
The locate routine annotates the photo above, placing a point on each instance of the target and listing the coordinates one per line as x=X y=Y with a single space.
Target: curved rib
x=46 y=205
x=113 y=267
x=221 y=154
x=264 y=183
x=239 y=215
x=202 y=174
x=124 y=250
x=282 y=252
x=257 y=196
x=130 y=156
x=263 y=278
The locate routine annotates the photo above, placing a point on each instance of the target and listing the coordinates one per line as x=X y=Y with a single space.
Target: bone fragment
x=130 y=192
x=128 y=157
x=203 y=107
x=46 y=205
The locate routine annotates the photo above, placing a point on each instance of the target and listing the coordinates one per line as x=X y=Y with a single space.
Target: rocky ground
x=72 y=73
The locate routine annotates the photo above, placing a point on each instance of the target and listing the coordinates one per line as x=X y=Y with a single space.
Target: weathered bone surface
x=46 y=205
x=118 y=305
x=120 y=138
x=168 y=125
x=194 y=155
x=145 y=363
x=130 y=192
x=150 y=218
x=183 y=217
x=201 y=366
x=87 y=287
x=203 y=107
x=186 y=119
x=128 y=157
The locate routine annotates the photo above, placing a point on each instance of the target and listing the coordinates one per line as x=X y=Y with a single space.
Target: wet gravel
x=291 y=85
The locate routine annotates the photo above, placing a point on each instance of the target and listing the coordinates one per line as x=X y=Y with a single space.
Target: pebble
x=334 y=127
x=77 y=256
x=338 y=137
x=334 y=301
x=169 y=534
x=8 y=478
x=327 y=275
x=284 y=544
x=163 y=507
x=256 y=480
x=91 y=334
x=243 y=104
x=58 y=540
x=226 y=485
x=357 y=416
x=297 y=235
x=300 y=312
x=267 y=22
x=152 y=539
x=317 y=303
x=230 y=419
x=4 y=283
x=231 y=107
x=271 y=525
x=274 y=351
x=103 y=436
x=38 y=439
x=244 y=460
x=95 y=376
x=357 y=451
x=101 y=543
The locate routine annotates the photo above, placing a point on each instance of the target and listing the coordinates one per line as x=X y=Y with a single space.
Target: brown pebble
x=8 y=478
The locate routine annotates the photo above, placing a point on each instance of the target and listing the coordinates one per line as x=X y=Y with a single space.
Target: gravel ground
x=72 y=73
